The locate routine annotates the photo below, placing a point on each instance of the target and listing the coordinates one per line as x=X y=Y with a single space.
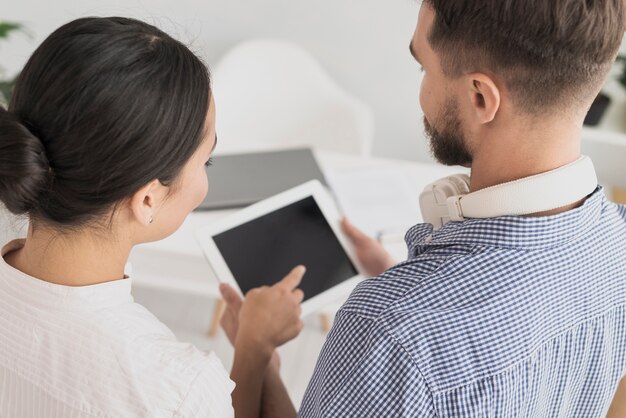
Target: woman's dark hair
x=103 y=107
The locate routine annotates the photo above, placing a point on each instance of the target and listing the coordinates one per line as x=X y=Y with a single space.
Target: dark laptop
x=239 y=180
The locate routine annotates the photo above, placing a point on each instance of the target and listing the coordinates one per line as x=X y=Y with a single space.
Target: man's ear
x=144 y=202
x=484 y=97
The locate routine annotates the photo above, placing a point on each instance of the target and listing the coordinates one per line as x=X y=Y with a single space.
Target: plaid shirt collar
x=511 y=231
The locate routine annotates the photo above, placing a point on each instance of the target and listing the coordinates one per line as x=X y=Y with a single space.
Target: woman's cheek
x=202 y=186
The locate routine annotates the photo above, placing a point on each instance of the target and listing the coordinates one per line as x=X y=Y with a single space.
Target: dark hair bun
x=116 y=103
x=24 y=168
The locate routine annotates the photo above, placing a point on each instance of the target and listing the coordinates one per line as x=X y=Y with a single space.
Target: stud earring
x=151 y=219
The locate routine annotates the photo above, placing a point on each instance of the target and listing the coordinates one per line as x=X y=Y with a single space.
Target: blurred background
x=362 y=44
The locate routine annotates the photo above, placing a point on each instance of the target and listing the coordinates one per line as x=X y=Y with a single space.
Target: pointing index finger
x=293 y=279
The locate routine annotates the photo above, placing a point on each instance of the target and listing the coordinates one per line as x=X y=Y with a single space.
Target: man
x=502 y=317
x=505 y=317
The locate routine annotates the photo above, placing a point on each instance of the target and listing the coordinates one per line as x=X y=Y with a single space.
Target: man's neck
x=517 y=153
x=79 y=259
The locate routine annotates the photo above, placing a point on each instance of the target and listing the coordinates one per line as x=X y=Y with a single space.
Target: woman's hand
x=267 y=317
x=370 y=253
x=230 y=318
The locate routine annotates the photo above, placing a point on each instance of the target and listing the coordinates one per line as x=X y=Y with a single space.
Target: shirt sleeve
x=363 y=371
x=210 y=392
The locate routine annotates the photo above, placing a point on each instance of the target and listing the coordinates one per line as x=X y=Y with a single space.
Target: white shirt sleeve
x=210 y=392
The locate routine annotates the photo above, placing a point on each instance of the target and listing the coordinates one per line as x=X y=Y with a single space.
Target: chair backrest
x=608 y=152
x=272 y=94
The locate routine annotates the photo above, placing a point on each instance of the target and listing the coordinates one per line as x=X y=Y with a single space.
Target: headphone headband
x=444 y=200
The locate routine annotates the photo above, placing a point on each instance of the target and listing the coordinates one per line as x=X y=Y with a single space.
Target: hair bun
x=24 y=167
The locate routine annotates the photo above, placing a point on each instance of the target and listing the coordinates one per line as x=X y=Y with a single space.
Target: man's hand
x=371 y=254
x=618 y=406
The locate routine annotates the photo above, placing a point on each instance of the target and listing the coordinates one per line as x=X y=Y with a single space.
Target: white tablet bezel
x=328 y=208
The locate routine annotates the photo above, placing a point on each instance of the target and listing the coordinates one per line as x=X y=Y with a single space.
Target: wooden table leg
x=325 y=322
x=619 y=195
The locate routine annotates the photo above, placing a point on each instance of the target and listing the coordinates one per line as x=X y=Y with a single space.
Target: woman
x=104 y=147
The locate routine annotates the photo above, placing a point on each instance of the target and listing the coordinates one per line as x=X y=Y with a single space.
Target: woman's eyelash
x=209 y=162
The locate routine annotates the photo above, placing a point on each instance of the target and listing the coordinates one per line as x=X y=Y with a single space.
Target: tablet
x=262 y=243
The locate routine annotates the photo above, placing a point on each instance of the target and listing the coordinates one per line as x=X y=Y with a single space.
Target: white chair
x=272 y=94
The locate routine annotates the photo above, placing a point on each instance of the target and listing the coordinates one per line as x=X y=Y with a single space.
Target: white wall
x=362 y=43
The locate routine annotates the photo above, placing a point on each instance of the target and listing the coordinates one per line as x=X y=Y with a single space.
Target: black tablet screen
x=264 y=250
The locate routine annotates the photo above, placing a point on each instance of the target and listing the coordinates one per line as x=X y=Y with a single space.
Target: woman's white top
x=91 y=351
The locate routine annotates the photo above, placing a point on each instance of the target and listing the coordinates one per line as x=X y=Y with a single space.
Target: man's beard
x=447 y=142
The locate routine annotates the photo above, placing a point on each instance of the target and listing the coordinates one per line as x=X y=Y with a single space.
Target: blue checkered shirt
x=502 y=317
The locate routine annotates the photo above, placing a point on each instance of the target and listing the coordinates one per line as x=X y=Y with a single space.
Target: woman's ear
x=145 y=201
x=484 y=97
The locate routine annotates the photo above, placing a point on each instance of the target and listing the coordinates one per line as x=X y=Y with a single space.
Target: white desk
x=177 y=263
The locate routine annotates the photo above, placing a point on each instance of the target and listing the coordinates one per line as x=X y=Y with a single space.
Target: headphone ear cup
x=460 y=182
x=433 y=200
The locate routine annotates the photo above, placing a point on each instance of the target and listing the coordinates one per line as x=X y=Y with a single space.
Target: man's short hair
x=549 y=53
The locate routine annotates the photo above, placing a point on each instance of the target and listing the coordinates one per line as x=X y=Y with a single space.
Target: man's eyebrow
x=413 y=52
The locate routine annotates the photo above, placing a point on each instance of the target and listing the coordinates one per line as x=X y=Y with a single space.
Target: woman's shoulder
x=147 y=351
x=148 y=363
x=136 y=335
x=118 y=359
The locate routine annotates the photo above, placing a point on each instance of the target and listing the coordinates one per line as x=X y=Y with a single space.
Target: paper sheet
x=384 y=201
x=377 y=201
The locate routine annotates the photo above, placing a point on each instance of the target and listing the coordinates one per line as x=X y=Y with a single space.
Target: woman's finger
x=298 y=295
x=230 y=295
x=293 y=279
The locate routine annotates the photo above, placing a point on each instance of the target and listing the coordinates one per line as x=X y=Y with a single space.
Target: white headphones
x=449 y=199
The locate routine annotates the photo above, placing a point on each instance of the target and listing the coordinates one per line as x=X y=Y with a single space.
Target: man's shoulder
x=446 y=305
x=382 y=295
